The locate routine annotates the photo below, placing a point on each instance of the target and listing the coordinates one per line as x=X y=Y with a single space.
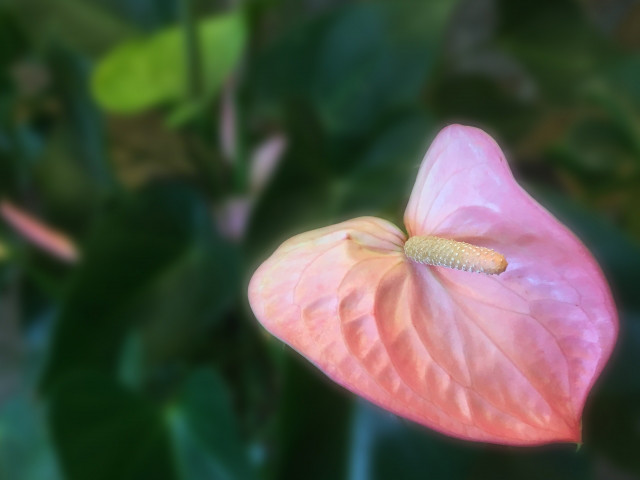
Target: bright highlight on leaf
x=504 y=358
x=144 y=73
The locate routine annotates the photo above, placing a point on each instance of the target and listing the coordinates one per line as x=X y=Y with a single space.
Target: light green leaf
x=146 y=72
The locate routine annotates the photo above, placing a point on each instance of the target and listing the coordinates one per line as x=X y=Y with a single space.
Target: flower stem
x=192 y=49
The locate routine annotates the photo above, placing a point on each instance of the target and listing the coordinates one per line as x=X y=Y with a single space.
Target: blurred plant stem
x=232 y=134
x=192 y=49
x=240 y=168
x=195 y=87
x=196 y=91
x=4 y=252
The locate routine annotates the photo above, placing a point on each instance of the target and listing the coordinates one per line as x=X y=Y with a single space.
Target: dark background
x=133 y=126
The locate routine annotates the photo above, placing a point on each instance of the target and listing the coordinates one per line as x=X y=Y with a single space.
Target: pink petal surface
x=504 y=359
x=48 y=239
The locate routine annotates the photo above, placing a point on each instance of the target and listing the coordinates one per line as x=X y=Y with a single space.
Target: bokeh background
x=176 y=143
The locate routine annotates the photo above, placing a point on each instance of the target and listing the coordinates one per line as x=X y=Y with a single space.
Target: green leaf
x=557 y=462
x=204 y=431
x=25 y=452
x=85 y=129
x=144 y=250
x=612 y=431
x=385 y=446
x=285 y=69
x=623 y=76
x=381 y=182
x=299 y=188
x=314 y=424
x=86 y=26
x=147 y=72
x=612 y=415
x=103 y=431
x=188 y=299
x=560 y=56
x=478 y=99
x=376 y=57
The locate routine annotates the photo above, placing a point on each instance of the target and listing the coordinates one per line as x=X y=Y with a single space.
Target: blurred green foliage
x=133 y=127
x=138 y=75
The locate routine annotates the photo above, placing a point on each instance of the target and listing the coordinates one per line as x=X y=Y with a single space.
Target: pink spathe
x=506 y=358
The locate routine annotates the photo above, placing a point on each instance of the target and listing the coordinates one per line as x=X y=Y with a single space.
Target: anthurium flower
x=489 y=321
